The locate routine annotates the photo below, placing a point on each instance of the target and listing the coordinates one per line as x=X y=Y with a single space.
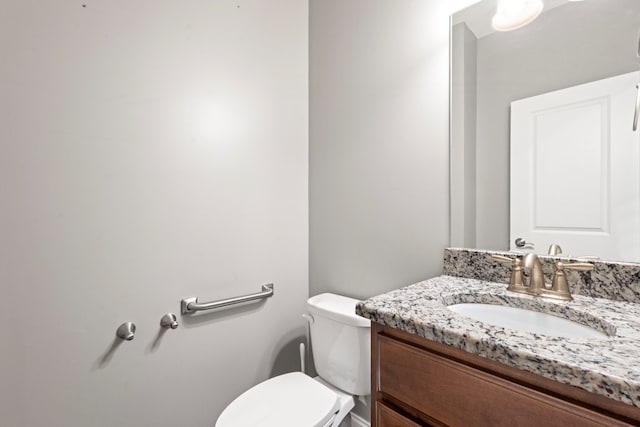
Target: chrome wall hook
x=169 y=321
x=126 y=331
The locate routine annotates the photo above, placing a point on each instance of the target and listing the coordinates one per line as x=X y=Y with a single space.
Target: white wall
x=379 y=147
x=149 y=151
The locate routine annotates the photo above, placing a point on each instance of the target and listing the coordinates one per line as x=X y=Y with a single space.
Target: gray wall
x=379 y=151
x=149 y=151
x=573 y=44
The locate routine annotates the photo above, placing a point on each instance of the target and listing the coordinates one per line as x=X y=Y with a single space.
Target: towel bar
x=191 y=305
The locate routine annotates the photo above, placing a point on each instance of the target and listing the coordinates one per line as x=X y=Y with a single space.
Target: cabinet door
x=387 y=417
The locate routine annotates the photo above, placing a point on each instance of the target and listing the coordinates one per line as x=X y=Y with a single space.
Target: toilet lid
x=292 y=399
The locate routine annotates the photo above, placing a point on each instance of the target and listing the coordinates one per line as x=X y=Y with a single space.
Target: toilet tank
x=340 y=343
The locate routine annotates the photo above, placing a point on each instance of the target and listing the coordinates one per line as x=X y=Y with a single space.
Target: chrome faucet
x=536 y=282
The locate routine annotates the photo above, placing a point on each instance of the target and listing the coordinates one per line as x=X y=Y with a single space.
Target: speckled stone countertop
x=607 y=366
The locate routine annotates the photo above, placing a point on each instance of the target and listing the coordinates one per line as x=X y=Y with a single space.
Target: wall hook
x=169 y=321
x=126 y=331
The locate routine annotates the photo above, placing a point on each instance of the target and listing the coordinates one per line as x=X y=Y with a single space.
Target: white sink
x=523 y=320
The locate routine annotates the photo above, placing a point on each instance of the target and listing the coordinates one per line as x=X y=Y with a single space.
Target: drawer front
x=387 y=417
x=459 y=395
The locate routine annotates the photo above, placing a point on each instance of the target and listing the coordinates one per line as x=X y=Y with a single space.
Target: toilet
x=341 y=346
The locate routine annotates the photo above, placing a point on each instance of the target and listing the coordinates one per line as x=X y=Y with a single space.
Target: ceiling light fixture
x=514 y=14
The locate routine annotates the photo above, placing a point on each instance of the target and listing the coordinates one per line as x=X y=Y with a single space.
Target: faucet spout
x=532 y=263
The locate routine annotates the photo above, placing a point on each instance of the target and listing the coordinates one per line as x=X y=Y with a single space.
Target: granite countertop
x=607 y=366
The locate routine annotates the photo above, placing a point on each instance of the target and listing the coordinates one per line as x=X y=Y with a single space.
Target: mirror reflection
x=542 y=146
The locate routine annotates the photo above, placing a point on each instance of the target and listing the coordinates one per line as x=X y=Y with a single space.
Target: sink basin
x=523 y=320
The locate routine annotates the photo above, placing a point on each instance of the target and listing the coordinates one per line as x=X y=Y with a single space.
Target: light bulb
x=514 y=14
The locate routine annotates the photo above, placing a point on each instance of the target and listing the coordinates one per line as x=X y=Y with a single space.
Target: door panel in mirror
x=575 y=170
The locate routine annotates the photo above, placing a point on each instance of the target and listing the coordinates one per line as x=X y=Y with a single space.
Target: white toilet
x=341 y=347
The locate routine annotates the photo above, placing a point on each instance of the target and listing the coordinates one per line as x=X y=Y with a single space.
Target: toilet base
x=347 y=403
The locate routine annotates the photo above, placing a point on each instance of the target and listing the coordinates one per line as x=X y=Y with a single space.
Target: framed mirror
x=523 y=150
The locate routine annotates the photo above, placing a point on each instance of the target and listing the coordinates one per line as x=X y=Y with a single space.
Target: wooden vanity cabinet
x=417 y=382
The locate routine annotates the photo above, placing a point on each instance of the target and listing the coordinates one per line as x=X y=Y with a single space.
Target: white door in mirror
x=563 y=187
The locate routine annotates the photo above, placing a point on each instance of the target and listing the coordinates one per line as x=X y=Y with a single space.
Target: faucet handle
x=516 y=283
x=581 y=266
x=501 y=258
x=560 y=285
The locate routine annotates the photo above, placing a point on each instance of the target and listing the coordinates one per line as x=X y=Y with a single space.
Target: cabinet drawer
x=387 y=417
x=458 y=395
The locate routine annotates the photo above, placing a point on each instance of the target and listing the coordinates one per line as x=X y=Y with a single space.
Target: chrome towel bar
x=191 y=305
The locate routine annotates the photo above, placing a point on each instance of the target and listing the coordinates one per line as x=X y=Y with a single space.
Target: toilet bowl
x=341 y=349
x=293 y=399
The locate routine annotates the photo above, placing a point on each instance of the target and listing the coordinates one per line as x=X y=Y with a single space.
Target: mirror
x=571 y=43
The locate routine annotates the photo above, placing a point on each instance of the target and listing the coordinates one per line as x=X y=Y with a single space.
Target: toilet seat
x=292 y=399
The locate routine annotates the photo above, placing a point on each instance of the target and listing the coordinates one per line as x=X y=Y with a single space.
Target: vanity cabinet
x=417 y=382
x=387 y=417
